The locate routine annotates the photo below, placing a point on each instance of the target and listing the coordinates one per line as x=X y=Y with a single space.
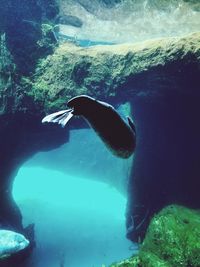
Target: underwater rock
x=70 y=20
x=131 y=21
x=87 y=9
x=118 y=73
x=48 y=41
x=22 y=28
x=50 y=9
x=111 y=3
x=131 y=262
x=172 y=239
x=93 y=6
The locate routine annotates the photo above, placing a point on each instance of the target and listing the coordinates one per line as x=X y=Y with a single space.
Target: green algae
x=131 y=262
x=172 y=240
x=47 y=42
x=104 y=72
x=107 y=71
x=7 y=77
x=174 y=237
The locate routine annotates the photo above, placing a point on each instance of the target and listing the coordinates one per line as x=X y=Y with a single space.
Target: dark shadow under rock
x=166 y=167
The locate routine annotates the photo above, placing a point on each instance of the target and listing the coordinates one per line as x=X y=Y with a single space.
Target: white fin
x=60 y=117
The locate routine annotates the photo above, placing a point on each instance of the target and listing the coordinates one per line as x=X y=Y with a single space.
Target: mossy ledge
x=172 y=240
x=113 y=72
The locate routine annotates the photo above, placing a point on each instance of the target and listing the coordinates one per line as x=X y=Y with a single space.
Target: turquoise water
x=79 y=214
x=86 y=156
x=83 y=42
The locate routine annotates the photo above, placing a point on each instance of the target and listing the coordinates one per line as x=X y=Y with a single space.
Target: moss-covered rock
x=7 y=78
x=110 y=71
x=47 y=43
x=22 y=25
x=131 y=262
x=172 y=240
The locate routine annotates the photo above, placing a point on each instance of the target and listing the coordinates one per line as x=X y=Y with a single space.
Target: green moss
x=48 y=41
x=8 y=78
x=132 y=262
x=148 y=259
x=106 y=71
x=174 y=237
x=172 y=240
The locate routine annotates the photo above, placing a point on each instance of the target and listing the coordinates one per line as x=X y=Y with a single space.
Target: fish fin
x=131 y=124
x=60 y=117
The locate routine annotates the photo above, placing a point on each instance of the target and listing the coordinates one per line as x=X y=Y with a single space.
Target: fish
x=118 y=135
x=11 y=242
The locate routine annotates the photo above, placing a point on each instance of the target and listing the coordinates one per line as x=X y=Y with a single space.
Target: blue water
x=83 y=42
x=79 y=214
x=86 y=156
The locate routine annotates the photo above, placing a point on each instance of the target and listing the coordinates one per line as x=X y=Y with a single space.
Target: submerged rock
x=70 y=20
x=131 y=21
x=131 y=262
x=172 y=239
x=22 y=25
x=118 y=72
x=93 y=6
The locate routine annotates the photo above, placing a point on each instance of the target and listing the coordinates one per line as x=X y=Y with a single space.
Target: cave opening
x=77 y=200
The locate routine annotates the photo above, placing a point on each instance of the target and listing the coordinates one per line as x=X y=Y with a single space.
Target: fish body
x=119 y=136
x=11 y=243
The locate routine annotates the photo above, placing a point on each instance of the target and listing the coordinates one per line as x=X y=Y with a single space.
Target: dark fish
x=118 y=136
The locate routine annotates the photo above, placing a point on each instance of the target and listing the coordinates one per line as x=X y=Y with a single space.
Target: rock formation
x=70 y=20
x=173 y=225
x=160 y=78
x=21 y=21
x=129 y=21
